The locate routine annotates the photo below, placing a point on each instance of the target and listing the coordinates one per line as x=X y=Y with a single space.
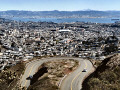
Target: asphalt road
x=75 y=79
x=72 y=82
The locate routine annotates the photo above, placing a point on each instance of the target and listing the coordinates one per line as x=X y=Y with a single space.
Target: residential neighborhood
x=22 y=41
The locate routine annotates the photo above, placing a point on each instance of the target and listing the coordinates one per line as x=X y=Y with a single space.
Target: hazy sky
x=62 y=5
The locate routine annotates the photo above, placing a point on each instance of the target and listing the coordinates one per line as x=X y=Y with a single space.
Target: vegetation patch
x=10 y=77
x=106 y=76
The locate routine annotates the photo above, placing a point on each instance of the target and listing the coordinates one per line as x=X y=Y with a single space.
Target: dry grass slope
x=10 y=76
x=106 y=76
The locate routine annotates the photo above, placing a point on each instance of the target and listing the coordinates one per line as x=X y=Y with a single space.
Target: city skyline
x=61 y=5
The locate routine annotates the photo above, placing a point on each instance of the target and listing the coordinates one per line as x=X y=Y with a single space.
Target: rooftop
x=64 y=30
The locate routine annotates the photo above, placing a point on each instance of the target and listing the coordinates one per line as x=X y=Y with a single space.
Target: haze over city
x=62 y=5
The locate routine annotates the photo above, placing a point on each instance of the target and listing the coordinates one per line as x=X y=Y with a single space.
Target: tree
x=111 y=48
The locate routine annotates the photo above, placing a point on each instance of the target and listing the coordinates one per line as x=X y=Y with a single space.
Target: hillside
x=106 y=76
x=62 y=14
x=9 y=77
x=51 y=73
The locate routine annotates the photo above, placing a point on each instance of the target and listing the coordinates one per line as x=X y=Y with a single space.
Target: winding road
x=72 y=82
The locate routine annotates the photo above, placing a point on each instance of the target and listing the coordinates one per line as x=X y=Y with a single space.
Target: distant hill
x=57 y=14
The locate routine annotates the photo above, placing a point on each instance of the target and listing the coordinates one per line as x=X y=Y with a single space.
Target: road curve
x=75 y=79
x=72 y=82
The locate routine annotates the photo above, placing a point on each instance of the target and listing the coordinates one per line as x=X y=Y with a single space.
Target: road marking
x=78 y=75
x=28 y=75
x=85 y=65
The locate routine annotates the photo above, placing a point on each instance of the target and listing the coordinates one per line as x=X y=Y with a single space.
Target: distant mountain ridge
x=57 y=14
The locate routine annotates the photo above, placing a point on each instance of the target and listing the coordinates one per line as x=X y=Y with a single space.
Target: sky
x=61 y=5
